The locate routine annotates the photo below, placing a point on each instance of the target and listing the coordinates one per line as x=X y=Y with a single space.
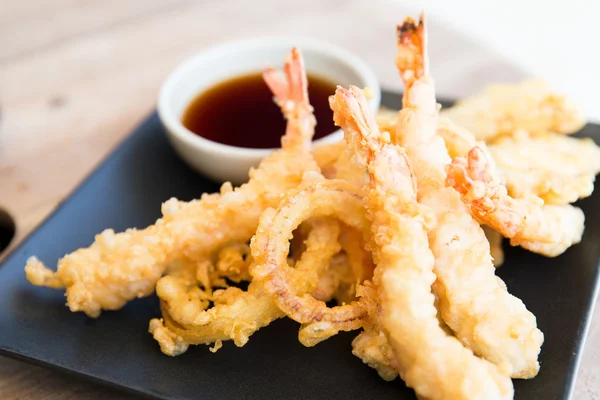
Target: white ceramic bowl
x=221 y=162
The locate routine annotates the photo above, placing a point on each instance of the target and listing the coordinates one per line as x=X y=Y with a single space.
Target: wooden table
x=76 y=76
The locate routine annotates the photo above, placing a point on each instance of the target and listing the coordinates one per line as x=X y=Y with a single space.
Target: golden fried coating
x=326 y=157
x=318 y=197
x=435 y=365
x=371 y=345
x=401 y=224
x=500 y=328
x=527 y=222
x=559 y=169
x=237 y=314
x=119 y=267
x=502 y=109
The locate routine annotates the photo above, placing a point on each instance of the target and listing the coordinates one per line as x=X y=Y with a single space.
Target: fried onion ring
x=270 y=247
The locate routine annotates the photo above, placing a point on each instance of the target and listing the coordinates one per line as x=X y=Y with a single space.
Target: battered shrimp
x=435 y=365
x=473 y=302
x=459 y=142
x=543 y=229
x=504 y=109
x=119 y=267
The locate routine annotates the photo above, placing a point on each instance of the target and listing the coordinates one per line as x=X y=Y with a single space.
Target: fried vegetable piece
x=237 y=314
x=557 y=168
x=119 y=267
x=473 y=301
x=435 y=365
x=544 y=229
x=502 y=109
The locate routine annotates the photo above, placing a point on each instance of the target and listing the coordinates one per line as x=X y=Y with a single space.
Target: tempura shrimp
x=435 y=365
x=543 y=229
x=459 y=142
x=119 y=267
x=500 y=328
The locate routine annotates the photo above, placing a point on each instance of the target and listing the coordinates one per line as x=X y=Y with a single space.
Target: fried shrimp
x=119 y=267
x=236 y=314
x=504 y=109
x=459 y=142
x=473 y=302
x=435 y=365
x=394 y=231
x=544 y=229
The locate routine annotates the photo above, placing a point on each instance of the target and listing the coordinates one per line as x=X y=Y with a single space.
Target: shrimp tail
x=411 y=58
x=290 y=91
x=291 y=86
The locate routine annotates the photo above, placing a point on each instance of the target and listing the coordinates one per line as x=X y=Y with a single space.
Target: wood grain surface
x=77 y=75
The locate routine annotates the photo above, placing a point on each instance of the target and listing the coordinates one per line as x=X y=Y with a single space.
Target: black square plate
x=127 y=190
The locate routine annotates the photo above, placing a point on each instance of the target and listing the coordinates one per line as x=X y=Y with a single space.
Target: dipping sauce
x=241 y=112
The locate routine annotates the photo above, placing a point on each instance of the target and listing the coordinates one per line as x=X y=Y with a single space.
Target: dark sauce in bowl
x=241 y=112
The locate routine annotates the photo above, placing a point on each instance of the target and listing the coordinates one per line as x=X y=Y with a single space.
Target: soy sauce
x=241 y=112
